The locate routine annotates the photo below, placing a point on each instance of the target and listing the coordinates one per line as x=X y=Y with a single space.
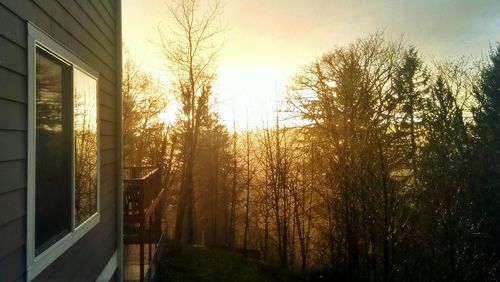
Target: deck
x=143 y=221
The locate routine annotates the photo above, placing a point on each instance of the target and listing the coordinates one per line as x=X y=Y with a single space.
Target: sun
x=248 y=94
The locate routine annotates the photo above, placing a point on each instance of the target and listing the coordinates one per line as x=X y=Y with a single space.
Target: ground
x=192 y=263
x=207 y=264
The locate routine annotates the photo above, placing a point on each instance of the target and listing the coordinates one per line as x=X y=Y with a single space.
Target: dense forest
x=378 y=165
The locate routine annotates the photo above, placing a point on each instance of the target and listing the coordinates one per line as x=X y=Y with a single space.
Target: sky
x=268 y=41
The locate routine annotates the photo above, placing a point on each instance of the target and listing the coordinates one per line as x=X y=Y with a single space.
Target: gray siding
x=87 y=28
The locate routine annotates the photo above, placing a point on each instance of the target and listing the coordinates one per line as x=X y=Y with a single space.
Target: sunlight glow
x=253 y=90
x=267 y=42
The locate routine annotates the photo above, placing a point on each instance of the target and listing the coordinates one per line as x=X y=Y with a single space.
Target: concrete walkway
x=131 y=263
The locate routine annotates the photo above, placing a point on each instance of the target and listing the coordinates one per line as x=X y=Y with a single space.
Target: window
x=63 y=150
x=53 y=151
x=85 y=138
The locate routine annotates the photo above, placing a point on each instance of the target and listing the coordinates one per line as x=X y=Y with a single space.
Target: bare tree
x=249 y=176
x=191 y=50
x=143 y=102
x=234 y=174
x=277 y=145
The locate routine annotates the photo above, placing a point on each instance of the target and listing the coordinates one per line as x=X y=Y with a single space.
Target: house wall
x=88 y=29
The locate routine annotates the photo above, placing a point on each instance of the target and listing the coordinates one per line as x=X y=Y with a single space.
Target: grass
x=193 y=263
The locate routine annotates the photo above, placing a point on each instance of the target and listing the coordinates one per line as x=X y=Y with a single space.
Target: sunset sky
x=270 y=40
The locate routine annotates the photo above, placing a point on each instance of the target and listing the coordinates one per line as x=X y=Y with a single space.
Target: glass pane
x=85 y=123
x=53 y=151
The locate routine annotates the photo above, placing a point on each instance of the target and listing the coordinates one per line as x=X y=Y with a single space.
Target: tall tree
x=443 y=179
x=143 y=102
x=212 y=170
x=249 y=175
x=191 y=52
x=486 y=170
x=234 y=192
x=350 y=98
x=411 y=84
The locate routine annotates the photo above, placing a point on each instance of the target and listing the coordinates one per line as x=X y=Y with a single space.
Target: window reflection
x=53 y=150
x=85 y=130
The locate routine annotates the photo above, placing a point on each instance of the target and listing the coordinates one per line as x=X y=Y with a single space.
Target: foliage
x=143 y=130
x=393 y=176
x=406 y=177
x=209 y=264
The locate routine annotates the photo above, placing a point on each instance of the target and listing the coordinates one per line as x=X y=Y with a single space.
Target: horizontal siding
x=16 y=201
x=12 y=145
x=14 y=263
x=87 y=29
x=108 y=172
x=107 y=113
x=17 y=115
x=106 y=85
x=77 y=28
x=89 y=10
x=74 y=264
x=107 y=249
x=108 y=156
x=107 y=142
x=30 y=10
x=108 y=217
x=101 y=33
x=13 y=175
x=12 y=27
x=13 y=119
x=13 y=85
x=108 y=179
x=109 y=7
x=13 y=56
x=107 y=99
x=107 y=186
x=10 y=243
x=101 y=10
x=107 y=127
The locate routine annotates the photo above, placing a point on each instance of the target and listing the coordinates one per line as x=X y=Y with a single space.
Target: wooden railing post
x=149 y=240
x=141 y=244
x=143 y=204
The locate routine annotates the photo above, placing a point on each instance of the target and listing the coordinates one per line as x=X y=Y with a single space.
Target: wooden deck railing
x=143 y=198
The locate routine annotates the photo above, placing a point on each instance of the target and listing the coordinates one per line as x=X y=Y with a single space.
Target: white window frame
x=35 y=264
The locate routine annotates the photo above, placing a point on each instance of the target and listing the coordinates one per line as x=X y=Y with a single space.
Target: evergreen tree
x=444 y=183
x=486 y=170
